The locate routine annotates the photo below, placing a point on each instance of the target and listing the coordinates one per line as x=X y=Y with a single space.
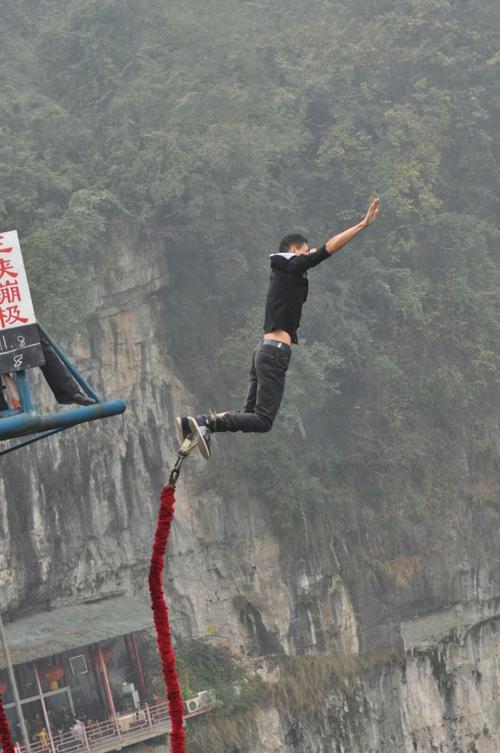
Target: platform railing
x=99 y=737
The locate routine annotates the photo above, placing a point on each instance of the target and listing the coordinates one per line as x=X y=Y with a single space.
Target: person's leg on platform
x=3 y=402
x=64 y=386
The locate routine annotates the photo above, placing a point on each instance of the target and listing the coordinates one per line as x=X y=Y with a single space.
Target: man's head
x=294 y=244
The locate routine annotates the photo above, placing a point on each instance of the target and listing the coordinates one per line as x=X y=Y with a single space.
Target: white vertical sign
x=16 y=307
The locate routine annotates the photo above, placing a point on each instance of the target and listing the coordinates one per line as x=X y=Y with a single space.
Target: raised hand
x=372 y=212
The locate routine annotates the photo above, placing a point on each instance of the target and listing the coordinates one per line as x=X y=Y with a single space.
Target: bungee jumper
x=286 y=295
x=288 y=288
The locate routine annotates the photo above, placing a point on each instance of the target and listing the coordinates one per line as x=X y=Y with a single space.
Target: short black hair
x=294 y=239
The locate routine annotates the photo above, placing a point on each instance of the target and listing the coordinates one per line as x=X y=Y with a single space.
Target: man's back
x=288 y=288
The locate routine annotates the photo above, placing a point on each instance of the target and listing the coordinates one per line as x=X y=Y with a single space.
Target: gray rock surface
x=77 y=516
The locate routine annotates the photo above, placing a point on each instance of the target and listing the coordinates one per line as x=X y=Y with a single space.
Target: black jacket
x=288 y=288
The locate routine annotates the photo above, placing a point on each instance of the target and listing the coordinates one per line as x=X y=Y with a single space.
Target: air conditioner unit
x=205 y=698
x=193 y=705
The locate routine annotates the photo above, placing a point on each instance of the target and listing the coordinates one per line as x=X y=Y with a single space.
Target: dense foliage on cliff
x=221 y=126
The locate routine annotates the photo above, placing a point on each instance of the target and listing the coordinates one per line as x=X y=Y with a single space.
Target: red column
x=44 y=708
x=107 y=690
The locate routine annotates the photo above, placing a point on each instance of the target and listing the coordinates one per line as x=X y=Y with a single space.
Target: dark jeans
x=267 y=384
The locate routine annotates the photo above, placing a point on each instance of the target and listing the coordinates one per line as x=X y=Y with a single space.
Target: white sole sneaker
x=200 y=433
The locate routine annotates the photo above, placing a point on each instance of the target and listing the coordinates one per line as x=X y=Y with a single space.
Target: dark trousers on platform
x=265 y=391
x=56 y=373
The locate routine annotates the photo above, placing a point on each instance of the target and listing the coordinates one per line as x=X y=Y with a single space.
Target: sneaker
x=199 y=427
x=79 y=398
x=183 y=427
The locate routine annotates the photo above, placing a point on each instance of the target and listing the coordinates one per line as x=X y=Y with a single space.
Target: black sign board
x=20 y=348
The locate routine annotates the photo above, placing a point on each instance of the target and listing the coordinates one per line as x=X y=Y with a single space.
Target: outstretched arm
x=339 y=241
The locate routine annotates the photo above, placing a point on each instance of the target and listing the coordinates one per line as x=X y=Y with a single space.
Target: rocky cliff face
x=440 y=695
x=78 y=513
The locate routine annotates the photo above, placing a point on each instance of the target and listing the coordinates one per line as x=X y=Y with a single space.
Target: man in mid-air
x=286 y=294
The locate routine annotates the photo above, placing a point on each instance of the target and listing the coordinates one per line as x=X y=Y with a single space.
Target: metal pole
x=44 y=708
x=13 y=684
x=109 y=692
x=24 y=390
x=148 y=715
x=85 y=737
x=140 y=671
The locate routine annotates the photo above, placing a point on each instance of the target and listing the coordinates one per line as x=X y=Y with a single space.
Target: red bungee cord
x=5 y=738
x=160 y=614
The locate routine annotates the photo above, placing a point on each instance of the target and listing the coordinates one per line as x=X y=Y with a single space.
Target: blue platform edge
x=33 y=423
x=26 y=421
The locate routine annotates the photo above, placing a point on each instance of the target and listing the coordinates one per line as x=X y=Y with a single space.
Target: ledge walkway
x=101 y=737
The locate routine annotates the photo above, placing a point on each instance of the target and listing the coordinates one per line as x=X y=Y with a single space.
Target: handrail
x=142 y=724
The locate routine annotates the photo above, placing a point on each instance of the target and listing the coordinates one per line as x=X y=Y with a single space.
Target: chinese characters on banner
x=20 y=346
